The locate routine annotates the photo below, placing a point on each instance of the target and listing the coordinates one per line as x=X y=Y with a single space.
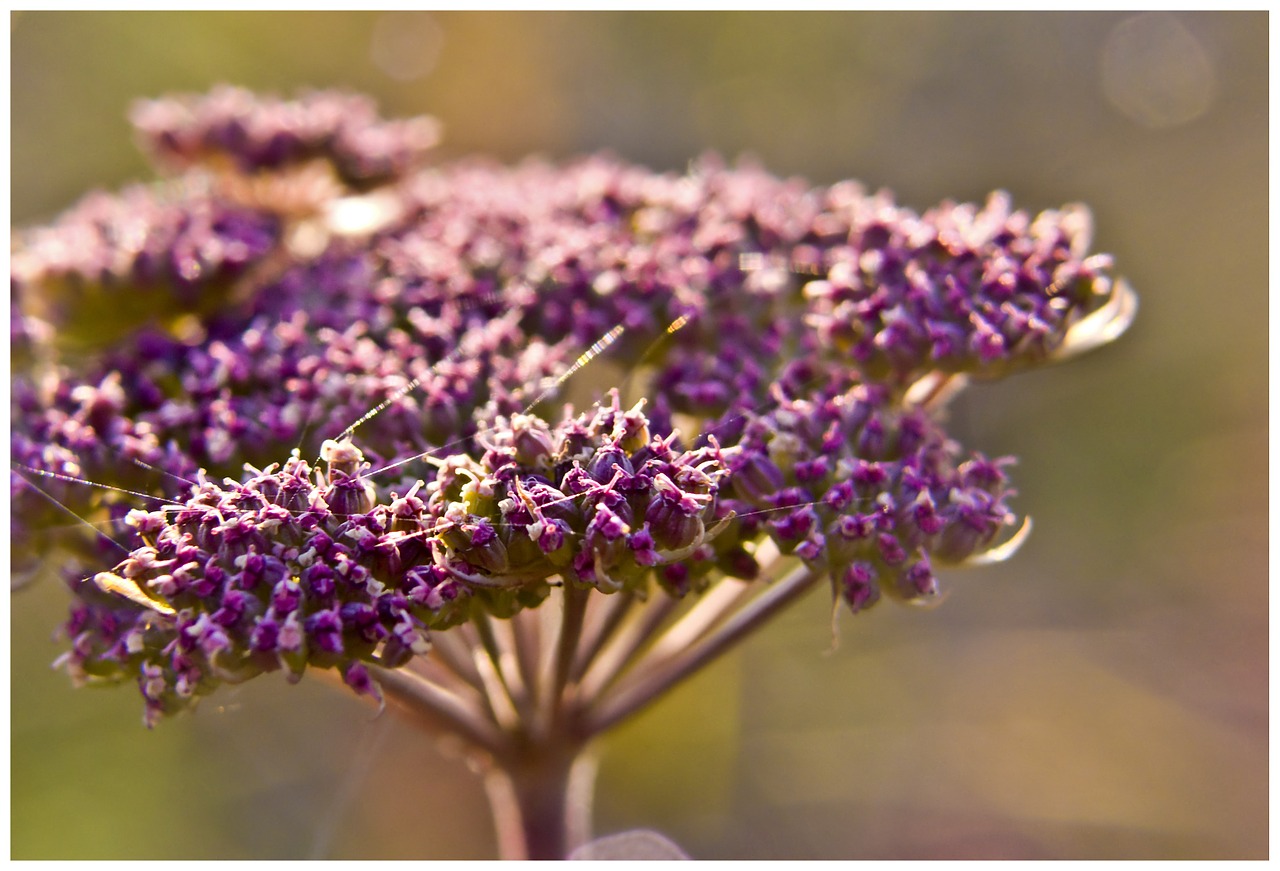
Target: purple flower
x=957 y=289
x=258 y=133
x=858 y=586
x=305 y=287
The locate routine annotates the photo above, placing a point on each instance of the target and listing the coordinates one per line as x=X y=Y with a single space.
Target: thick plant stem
x=540 y=795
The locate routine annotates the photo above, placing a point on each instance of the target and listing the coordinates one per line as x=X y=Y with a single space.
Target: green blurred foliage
x=1103 y=695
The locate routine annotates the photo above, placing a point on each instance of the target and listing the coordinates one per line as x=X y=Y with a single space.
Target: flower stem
x=626 y=644
x=653 y=679
x=575 y=609
x=602 y=620
x=539 y=774
x=435 y=705
x=452 y=650
x=540 y=795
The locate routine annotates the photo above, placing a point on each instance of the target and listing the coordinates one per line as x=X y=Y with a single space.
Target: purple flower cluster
x=598 y=500
x=957 y=289
x=150 y=251
x=254 y=134
x=286 y=569
x=292 y=567
x=867 y=492
x=313 y=353
x=778 y=333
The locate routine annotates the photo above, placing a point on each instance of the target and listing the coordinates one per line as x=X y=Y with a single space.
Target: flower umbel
x=762 y=366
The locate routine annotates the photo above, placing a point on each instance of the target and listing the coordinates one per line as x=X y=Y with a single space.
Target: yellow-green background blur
x=1102 y=695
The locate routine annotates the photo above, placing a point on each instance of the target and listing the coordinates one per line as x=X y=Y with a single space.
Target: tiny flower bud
x=858 y=587
x=757 y=479
x=343 y=458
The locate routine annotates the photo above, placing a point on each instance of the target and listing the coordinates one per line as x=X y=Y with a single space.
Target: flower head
x=962 y=289
x=305 y=287
x=254 y=134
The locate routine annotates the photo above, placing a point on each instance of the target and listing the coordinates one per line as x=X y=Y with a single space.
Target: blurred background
x=1102 y=695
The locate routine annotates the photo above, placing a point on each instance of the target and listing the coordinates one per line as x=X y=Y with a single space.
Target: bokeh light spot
x=1156 y=72
x=406 y=45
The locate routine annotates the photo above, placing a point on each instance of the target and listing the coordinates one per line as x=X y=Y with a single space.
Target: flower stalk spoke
x=714 y=606
x=452 y=651
x=526 y=645
x=626 y=645
x=574 y=611
x=604 y=615
x=646 y=684
x=429 y=702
